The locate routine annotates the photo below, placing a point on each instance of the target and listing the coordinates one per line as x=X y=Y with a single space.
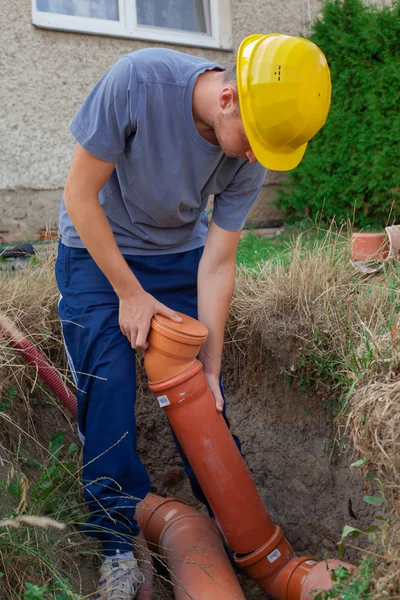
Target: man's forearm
x=215 y=289
x=86 y=177
x=95 y=232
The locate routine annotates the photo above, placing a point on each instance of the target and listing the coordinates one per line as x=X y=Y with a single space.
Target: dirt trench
x=286 y=441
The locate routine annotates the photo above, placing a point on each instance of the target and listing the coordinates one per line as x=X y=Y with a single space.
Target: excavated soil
x=286 y=441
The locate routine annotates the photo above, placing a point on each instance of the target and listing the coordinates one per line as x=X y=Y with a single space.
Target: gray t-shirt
x=139 y=116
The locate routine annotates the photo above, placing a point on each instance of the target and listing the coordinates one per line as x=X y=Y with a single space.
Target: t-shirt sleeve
x=107 y=117
x=232 y=206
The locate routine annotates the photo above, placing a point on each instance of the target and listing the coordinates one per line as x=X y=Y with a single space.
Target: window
x=189 y=22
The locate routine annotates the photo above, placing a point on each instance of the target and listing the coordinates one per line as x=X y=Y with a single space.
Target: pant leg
x=103 y=363
x=114 y=476
x=176 y=287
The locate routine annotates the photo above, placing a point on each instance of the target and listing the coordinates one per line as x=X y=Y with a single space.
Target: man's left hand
x=215 y=389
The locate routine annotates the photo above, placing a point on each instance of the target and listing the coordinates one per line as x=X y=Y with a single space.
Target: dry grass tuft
x=374 y=422
x=387 y=575
x=29 y=299
x=33 y=520
x=375 y=428
x=293 y=295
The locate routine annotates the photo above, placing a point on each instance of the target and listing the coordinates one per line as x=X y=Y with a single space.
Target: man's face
x=229 y=128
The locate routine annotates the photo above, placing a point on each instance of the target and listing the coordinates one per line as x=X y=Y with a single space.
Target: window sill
x=206 y=43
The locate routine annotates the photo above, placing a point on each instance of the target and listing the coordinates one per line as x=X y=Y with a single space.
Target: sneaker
x=120 y=579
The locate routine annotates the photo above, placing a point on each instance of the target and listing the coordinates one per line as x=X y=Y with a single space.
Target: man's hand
x=135 y=314
x=213 y=384
x=212 y=372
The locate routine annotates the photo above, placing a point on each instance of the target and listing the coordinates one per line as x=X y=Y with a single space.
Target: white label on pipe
x=274 y=556
x=163 y=401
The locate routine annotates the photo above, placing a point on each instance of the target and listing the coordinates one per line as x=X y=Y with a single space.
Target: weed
x=348 y=586
x=34 y=592
x=7 y=397
x=37 y=554
x=56 y=491
x=61 y=591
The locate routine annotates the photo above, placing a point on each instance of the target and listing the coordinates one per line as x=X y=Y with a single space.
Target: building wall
x=45 y=77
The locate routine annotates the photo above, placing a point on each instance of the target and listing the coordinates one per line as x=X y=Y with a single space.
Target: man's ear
x=228 y=98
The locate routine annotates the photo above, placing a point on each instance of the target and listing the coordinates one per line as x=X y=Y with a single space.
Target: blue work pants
x=102 y=363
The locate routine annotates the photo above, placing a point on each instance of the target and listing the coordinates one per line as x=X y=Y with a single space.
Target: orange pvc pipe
x=193 y=549
x=176 y=377
x=215 y=458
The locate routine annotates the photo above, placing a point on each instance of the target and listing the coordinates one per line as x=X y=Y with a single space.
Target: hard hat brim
x=286 y=160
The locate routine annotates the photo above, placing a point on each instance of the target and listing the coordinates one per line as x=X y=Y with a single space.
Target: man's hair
x=230 y=74
x=230 y=77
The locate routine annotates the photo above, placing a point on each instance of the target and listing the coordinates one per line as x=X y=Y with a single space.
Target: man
x=158 y=134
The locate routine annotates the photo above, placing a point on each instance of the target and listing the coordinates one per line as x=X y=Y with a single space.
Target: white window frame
x=127 y=26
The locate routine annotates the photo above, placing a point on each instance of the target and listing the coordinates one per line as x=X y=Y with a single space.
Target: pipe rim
x=170 y=382
x=190 y=331
x=369 y=234
x=148 y=509
x=262 y=551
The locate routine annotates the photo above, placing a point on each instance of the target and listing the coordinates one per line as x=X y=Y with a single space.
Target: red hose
x=50 y=376
x=47 y=372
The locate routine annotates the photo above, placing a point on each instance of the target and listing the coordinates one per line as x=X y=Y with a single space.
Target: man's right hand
x=135 y=314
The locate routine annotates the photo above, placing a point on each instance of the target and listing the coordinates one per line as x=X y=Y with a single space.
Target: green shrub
x=351 y=167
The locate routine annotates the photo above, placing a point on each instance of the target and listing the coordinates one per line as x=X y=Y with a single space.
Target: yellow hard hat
x=284 y=89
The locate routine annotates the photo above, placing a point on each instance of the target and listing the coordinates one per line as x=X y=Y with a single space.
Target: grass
x=42 y=510
x=254 y=250
x=40 y=554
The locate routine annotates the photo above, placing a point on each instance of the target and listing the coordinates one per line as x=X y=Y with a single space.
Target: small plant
x=348 y=586
x=37 y=500
x=8 y=396
x=62 y=591
x=34 y=592
x=355 y=533
x=56 y=488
